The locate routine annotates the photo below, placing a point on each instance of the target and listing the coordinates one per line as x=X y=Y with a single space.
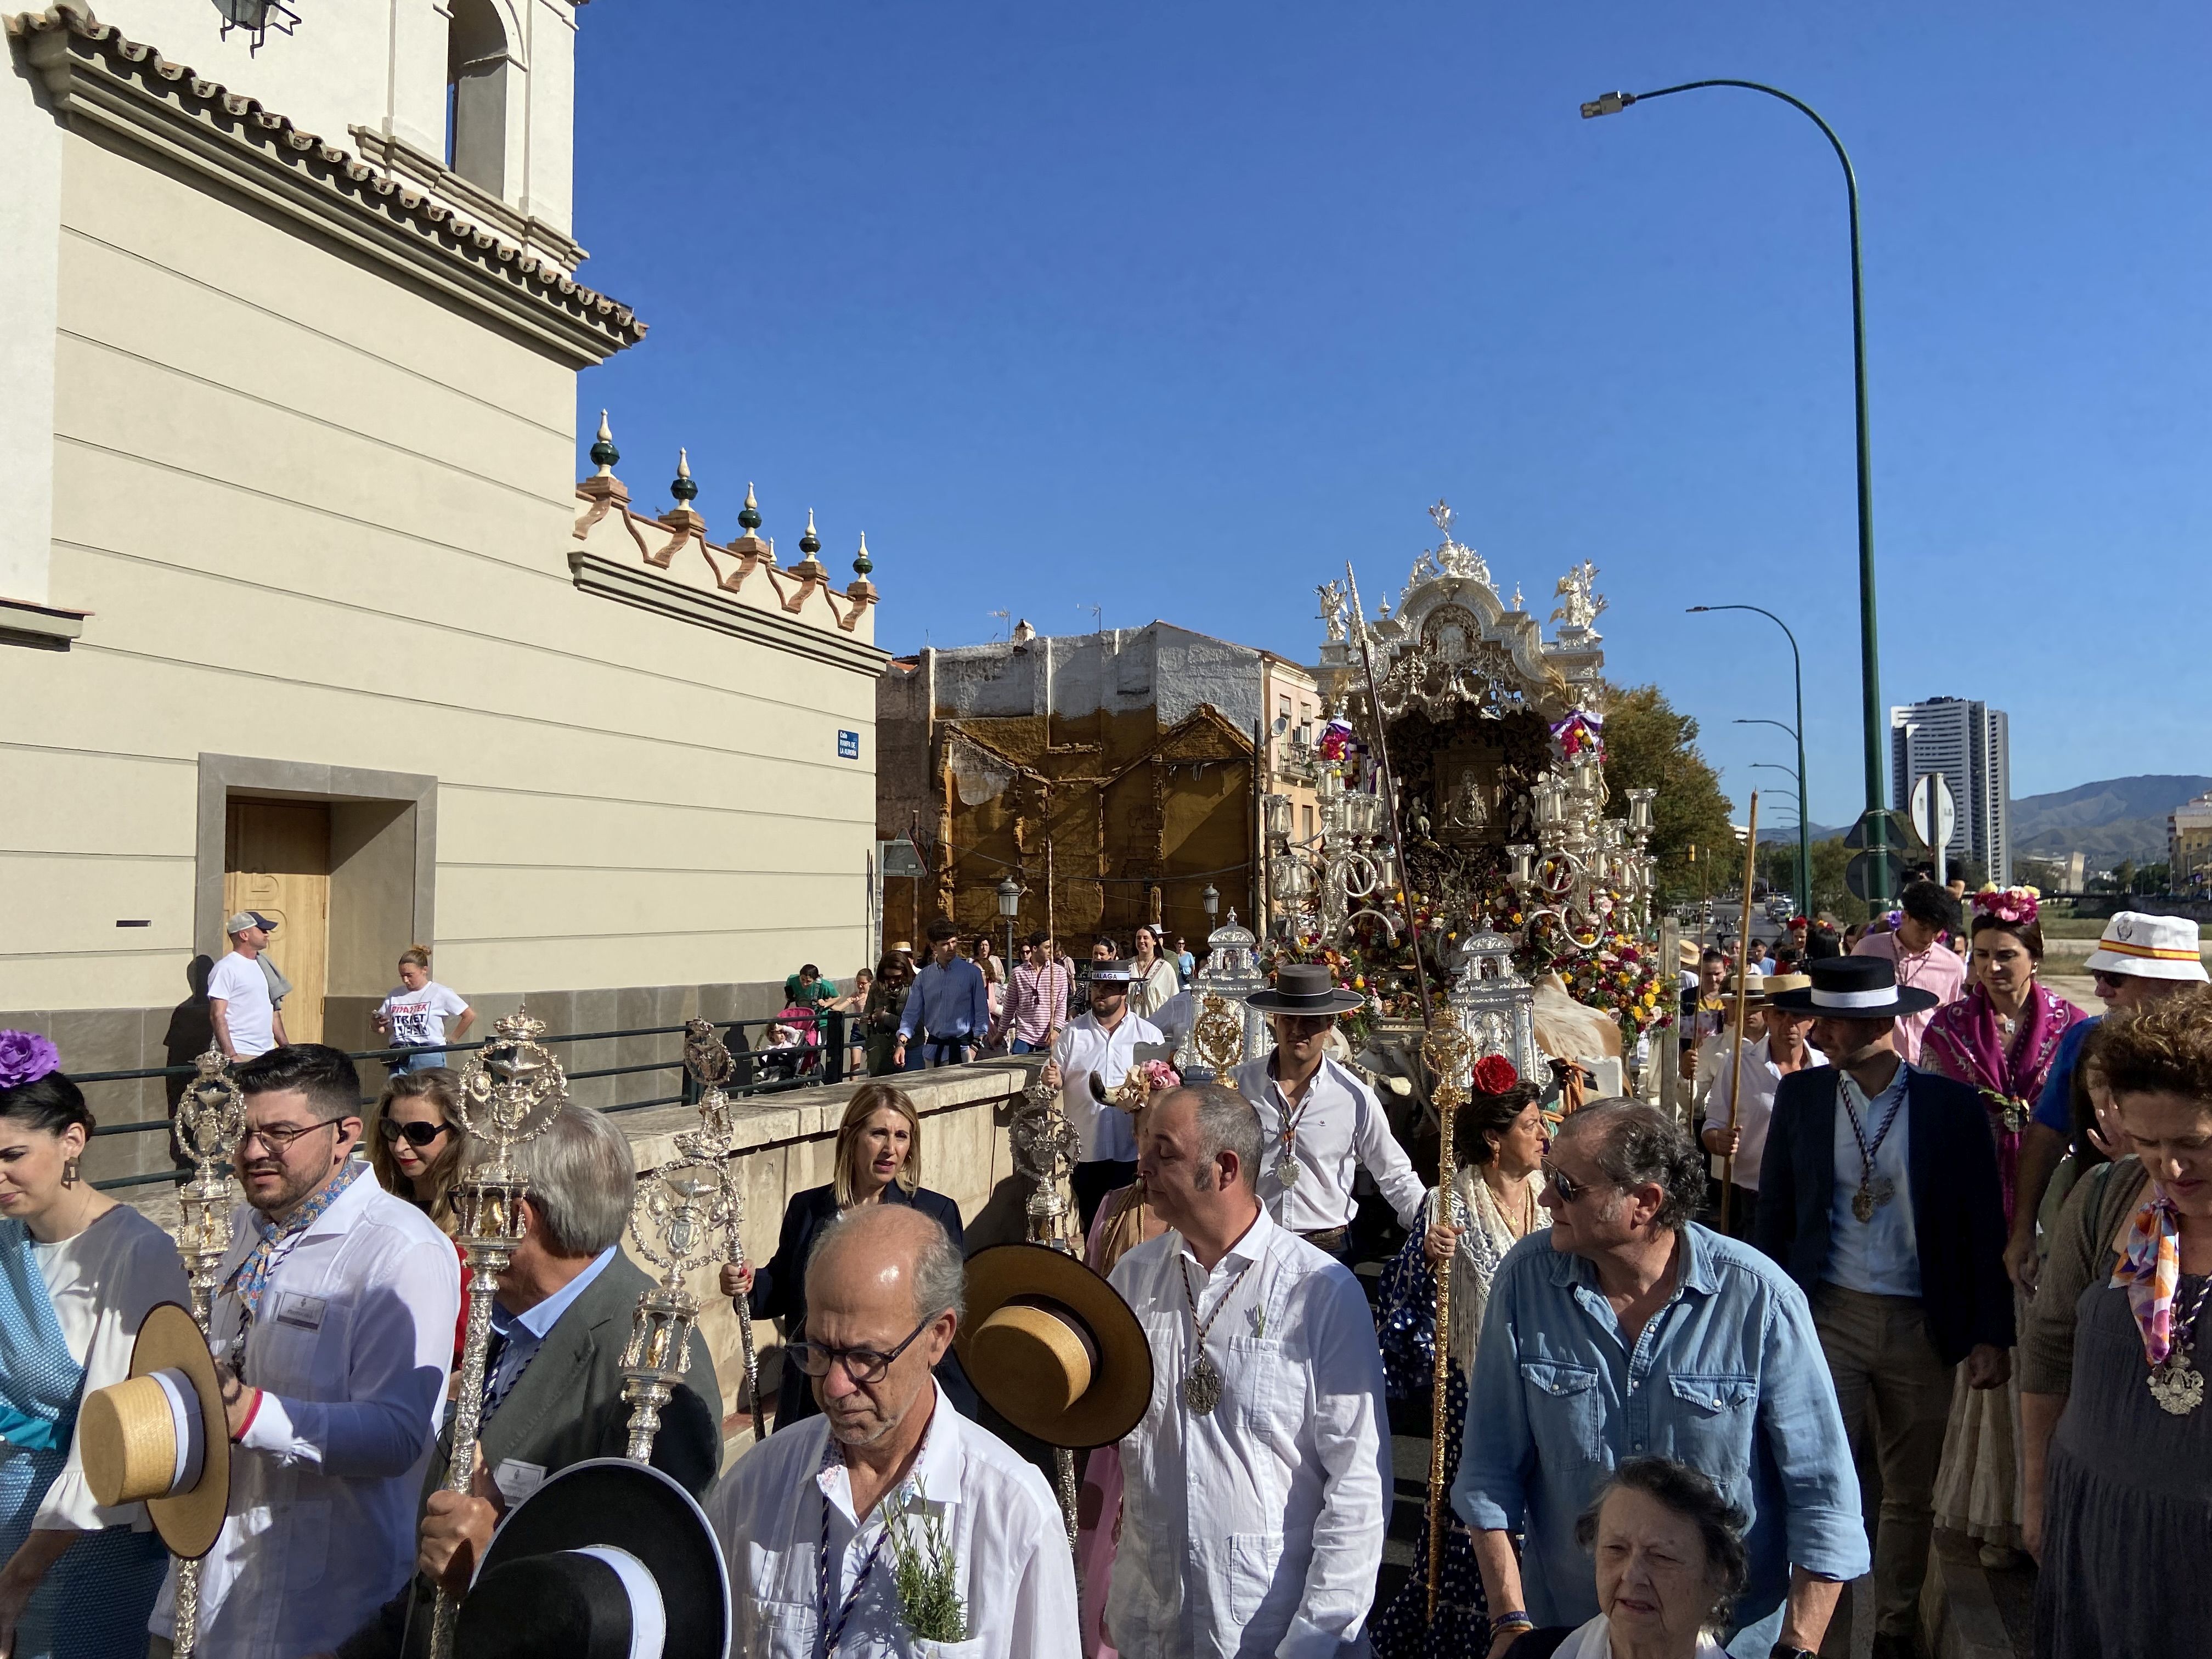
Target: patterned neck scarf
x=250 y=1281
x=2149 y=1270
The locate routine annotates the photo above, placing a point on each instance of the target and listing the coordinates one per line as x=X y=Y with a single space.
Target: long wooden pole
x=1385 y=777
x=1743 y=1000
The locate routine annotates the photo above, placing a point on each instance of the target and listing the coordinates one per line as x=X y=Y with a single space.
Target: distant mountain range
x=2119 y=819
x=2108 y=821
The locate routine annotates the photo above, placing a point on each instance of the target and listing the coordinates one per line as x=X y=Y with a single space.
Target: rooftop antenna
x=1097 y=617
x=1002 y=616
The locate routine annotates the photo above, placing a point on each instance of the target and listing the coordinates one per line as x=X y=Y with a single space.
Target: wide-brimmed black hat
x=607 y=1558
x=1854 y=988
x=1305 y=987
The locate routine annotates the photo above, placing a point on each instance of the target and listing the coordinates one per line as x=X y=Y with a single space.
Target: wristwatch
x=1783 y=1651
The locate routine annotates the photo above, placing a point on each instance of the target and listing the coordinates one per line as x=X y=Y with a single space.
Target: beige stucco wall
x=323 y=518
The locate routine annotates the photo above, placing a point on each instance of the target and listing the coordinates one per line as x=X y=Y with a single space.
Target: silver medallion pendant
x=2177 y=1385
x=1286 y=1170
x=1201 y=1388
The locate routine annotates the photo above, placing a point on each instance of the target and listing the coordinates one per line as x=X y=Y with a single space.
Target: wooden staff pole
x=1743 y=1000
x=1389 y=794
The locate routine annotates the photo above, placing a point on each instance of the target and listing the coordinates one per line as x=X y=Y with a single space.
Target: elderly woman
x=1499 y=1140
x=878 y=1161
x=2117 y=1435
x=1998 y=1039
x=1670 y=1563
x=78 y=1274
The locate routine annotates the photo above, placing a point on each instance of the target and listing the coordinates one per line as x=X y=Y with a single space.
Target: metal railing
x=820 y=1057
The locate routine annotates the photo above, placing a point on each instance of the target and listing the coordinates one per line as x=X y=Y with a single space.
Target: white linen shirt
x=1017 y=1576
x=1761 y=1077
x=1341 y=1127
x=351 y=1351
x=1881 y=1257
x=1257 y=1528
x=1083 y=1046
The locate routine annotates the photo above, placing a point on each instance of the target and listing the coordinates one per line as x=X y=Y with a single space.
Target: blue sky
x=1173 y=309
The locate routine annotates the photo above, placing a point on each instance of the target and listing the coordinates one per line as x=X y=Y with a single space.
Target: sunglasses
x=2104 y=982
x=1568 y=1187
x=417 y=1134
x=862 y=1366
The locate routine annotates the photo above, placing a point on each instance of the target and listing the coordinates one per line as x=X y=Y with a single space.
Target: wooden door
x=276 y=860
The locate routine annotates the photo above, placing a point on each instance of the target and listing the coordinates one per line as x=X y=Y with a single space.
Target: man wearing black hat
x=1100 y=1045
x=1879 y=1193
x=1321 y=1123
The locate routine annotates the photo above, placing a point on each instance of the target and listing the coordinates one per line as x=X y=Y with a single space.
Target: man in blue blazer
x=1879 y=1195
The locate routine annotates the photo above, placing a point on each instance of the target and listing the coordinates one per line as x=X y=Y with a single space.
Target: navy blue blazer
x=1958 y=1203
x=780 y=1289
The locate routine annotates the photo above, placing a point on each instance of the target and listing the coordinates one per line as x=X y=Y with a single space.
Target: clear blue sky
x=1176 y=309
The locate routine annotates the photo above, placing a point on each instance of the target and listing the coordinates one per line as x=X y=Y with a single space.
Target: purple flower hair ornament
x=25 y=1057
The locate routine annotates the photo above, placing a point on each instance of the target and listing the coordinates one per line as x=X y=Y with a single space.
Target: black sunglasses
x=1569 y=1189
x=863 y=1365
x=418 y=1134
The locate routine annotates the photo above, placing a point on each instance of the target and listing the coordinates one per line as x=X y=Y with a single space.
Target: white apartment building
x=1968 y=743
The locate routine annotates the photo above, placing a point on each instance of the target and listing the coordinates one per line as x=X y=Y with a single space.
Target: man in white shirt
x=1779 y=1051
x=245 y=1021
x=1258 y=1482
x=814 y=1521
x=1100 y=1043
x=1320 y=1123
x=334 y=1327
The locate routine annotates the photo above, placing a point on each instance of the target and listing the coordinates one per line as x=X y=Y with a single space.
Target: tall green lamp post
x=1877 y=829
x=1797 y=732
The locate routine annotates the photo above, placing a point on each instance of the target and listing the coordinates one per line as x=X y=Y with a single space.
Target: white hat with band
x=2141 y=946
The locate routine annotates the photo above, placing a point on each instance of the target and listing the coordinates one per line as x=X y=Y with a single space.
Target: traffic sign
x=1935 y=815
x=1873 y=876
x=1899 y=833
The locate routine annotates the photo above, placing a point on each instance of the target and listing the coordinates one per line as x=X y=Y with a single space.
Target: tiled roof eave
x=98 y=79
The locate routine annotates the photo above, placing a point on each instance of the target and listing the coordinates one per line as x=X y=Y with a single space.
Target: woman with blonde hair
x=413 y=1017
x=878 y=1160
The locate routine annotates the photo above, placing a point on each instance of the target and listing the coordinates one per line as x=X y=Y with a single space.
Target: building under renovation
x=1113 y=776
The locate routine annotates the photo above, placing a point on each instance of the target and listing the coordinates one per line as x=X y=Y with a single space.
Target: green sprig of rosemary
x=927 y=1574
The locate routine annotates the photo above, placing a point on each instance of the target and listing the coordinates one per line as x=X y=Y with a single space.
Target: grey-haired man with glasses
x=334 y=1326
x=1626 y=1330
x=821 y=1523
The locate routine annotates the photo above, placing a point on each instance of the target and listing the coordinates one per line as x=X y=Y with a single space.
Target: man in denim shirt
x=1625 y=1330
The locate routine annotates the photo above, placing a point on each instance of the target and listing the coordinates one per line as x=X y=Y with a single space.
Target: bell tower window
x=478 y=62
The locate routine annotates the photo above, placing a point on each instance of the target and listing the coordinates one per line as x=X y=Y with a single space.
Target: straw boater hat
x=1854 y=988
x=1686 y=952
x=1305 y=987
x=2149 y=947
x=1777 y=983
x=1053 y=1347
x=161 y=1438
x=608 y=1559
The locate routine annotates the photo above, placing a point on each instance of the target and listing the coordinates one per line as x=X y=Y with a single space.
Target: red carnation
x=1494 y=1074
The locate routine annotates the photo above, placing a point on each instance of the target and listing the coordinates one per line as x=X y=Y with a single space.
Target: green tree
x=1649 y=745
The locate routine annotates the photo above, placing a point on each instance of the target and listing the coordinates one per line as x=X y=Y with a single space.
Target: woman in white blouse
x=78 y=1273
x=1153 y=978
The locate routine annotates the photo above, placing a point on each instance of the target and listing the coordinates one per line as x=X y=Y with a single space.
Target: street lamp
x=1797 y=680
x=1877 y=834
x=1210 y=900
x=1010 y=905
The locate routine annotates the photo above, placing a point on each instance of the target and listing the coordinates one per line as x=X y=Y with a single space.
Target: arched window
x=476 y=65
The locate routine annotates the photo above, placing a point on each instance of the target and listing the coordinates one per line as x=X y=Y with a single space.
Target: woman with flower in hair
x=1499 y=1142
x=2000 y=1038
x=78 y=1275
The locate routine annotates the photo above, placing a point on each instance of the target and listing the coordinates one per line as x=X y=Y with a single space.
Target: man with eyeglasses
x=2139 y=959
x=1625 y=1330
x=553 y=1376
x=333 y=1326
x=820 y=1524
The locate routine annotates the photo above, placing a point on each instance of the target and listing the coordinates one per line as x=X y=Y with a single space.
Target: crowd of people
x=1656 y=1428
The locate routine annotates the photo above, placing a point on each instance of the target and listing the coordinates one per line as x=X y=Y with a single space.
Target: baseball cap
x=246 y=918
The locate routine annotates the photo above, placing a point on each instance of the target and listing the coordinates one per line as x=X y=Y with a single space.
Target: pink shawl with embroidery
x=1964 y=1041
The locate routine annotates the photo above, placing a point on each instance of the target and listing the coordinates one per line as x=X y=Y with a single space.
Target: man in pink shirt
x=1924 y=962
x=1036 y=1005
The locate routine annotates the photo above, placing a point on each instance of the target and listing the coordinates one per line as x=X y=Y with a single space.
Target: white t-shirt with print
x=419 y=1016
x=243 y=988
